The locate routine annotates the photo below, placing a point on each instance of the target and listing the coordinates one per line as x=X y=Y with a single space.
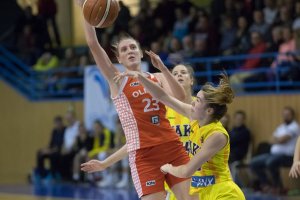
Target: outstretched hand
x=120 y=75
x=156 y=61
x=93 y=166
x=295 y=170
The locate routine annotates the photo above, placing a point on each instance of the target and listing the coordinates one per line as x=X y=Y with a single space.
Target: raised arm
x=167 y=80
x=102 y=60
x=210 y=147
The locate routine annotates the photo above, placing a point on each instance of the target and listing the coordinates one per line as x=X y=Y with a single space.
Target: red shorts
x=145 y=166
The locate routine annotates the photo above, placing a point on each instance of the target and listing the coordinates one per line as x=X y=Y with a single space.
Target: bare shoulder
x=218 y=137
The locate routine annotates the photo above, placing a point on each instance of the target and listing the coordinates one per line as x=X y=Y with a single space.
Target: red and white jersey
x=143 y=117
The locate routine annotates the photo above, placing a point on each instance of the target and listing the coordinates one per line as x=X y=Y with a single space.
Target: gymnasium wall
x=26 y=126
x=264 y=112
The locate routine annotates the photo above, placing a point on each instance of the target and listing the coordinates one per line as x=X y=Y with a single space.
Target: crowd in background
x=177 y=32
x=72 y=144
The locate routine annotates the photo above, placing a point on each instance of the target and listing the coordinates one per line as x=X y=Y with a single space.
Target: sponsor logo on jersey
x=202 y=181
x=134 y=84
x=150 y=183
x=155 y=119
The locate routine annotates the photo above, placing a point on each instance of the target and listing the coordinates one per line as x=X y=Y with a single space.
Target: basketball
x=101 y=13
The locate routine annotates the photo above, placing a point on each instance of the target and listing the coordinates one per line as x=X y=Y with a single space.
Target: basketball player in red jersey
x=150 y=140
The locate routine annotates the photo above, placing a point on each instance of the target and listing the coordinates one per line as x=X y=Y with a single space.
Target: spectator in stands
x=225 y=120
x=207 y=31
x=258 y=46
x=200 y=48
x=67 y=152
x=51 y=152
x=276 y=39
x=47 y=10
x=165 y=11
x=270 y=11
x=81 y=147
x=181 y=26
x=101 y=143
x=188 y=47
x=228 y=34
x=136 y=31
x=286 y=48
x=175 y=48
x=26 y=46
x=240 y=137
x=156 y=47
x=121 y=23
x=285 y=16
x=70 y=58
x=282 y=149
x=46 y=62
x=123 y=172
x=259 y=25
x=295 y=169
x=242 y=38
x=159 y=28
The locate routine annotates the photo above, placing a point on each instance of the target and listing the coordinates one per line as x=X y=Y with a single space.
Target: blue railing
x=56 y=84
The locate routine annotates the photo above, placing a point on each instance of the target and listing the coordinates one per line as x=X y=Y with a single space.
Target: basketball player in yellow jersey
x=184 y=74
x=209 y=141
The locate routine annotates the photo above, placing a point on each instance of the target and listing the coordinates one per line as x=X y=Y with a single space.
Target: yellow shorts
x=227 y=190
x=170 y=194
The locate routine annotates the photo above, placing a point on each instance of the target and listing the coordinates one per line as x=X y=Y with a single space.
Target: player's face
x=182 y=75
x=129 y=54
x=199 y=107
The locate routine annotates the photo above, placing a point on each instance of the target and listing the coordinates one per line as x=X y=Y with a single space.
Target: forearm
x=176 y=88
x=297 y=151
x=160 y=94
x=281 y=140
x=117 y=156
x=180 y=171
x=90 y=34
x=156 y=91
x=210 y=147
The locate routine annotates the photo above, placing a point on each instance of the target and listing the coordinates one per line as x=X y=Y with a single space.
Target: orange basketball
x=101 y=13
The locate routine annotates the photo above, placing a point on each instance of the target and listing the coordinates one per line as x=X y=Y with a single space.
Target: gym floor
x=67 y=191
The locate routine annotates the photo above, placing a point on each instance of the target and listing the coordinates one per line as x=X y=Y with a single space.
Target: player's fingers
x=147 y=52
x=293 y=174
x=83 y=164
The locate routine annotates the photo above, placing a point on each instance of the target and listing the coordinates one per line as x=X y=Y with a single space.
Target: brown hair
x=219 y=96
x=122 y=37
x=190 y=70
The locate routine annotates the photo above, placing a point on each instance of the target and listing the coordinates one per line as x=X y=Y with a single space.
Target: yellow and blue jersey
x=213 y=179
x=181 y=124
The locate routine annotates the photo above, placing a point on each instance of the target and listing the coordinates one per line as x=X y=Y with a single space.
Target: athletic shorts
x=145 y=166
x=226 y=190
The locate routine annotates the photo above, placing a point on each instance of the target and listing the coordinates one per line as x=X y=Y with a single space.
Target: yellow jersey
x=101 y=146
x=181 y=124
x=216 y=170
